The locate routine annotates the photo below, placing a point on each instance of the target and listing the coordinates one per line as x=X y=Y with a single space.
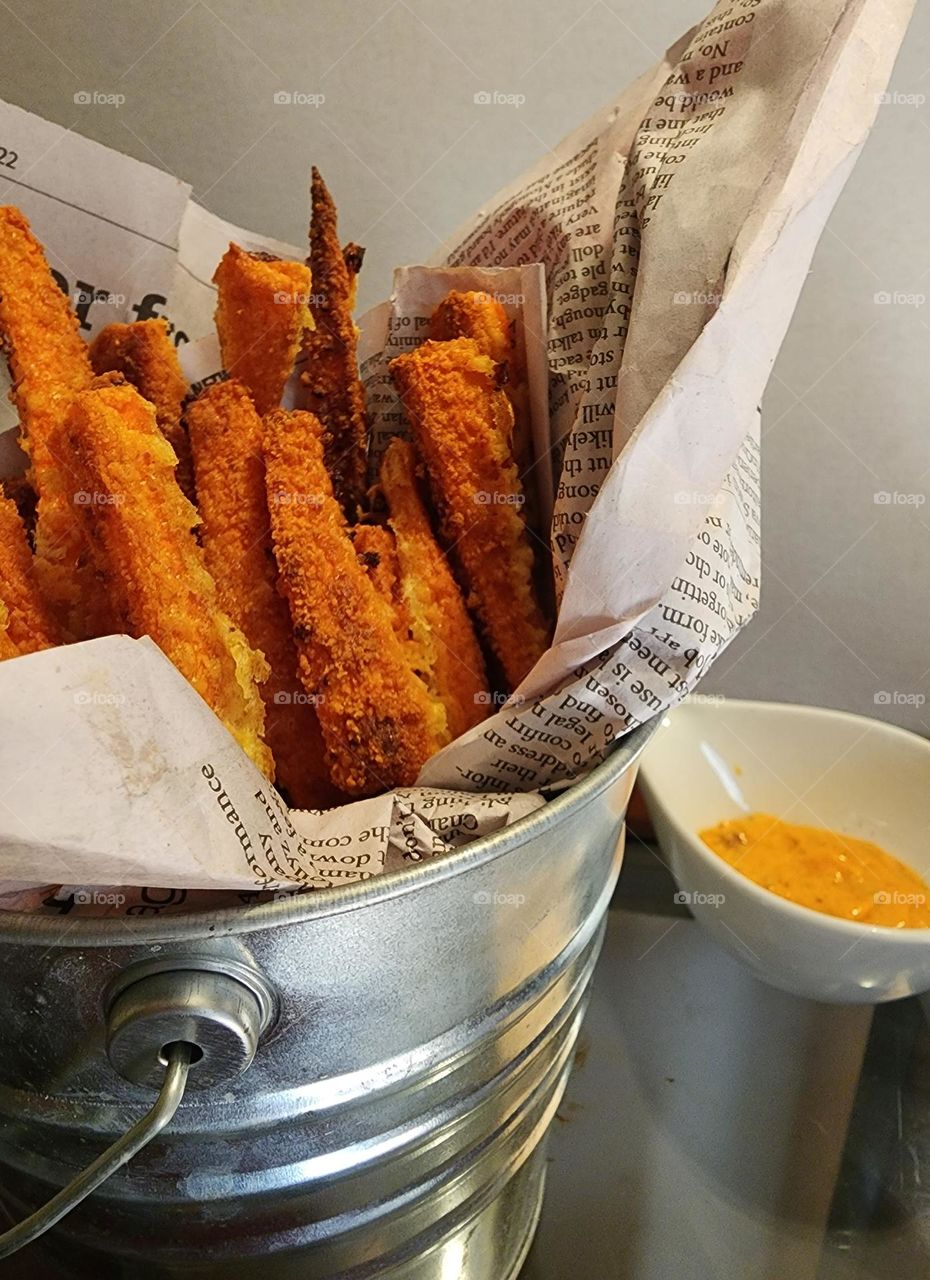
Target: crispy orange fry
x=480 y=316
x=461 y=423
x=474 y=315
x=226 y=439
x=140 y=525
x=451 y=659
x=379 y=721
x=334 y=390
x=7 y=648
x=48 y=364
x=30 y=622
x=376 y=551
x=144 y=353
x=262 y=312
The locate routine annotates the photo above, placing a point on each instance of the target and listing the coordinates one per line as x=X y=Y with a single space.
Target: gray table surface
x=717 y=1129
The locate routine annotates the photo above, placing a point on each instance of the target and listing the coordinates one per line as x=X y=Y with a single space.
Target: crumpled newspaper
x=674 y=229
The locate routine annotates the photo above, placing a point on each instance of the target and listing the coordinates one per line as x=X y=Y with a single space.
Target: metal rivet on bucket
x=165 y=1017
x=220 y=1010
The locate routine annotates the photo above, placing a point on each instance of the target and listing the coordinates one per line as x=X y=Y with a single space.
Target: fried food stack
x=342 y=633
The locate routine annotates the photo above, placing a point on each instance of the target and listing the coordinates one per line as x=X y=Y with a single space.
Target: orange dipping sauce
x=823 y=870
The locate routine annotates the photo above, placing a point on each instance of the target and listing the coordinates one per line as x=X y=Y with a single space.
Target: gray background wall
x=408 y=154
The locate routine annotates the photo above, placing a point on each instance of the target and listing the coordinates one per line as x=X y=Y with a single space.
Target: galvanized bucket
x=414 y=1035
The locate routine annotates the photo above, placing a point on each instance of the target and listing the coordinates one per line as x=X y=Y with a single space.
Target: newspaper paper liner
x=675 y=229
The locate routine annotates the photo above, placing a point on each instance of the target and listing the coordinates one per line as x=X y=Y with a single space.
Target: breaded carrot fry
x=7 y=648
x=262 y=313
x=379 y=721
x=145 y=355
x=226 y=440
x=48 y=365
x=334 y=390
x=376 y=551
x=30 y=622
x=440 y=623
x=139 y=523
x=480 y=316
x=461 y=423
x=410 y=572
x=474 y=315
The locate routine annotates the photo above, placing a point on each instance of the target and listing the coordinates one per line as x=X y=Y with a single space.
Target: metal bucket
x=418 y=1034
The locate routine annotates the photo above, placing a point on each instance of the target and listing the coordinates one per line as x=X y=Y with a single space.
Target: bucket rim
x=26 y=927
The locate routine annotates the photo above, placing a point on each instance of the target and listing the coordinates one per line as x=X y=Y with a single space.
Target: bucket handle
x=178 y=1060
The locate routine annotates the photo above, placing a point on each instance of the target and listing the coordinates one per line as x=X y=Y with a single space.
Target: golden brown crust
x=480 y=316
x=379 y=722
x=30 y=622
x=376 y=552
x=475 y=315
x=439 y=621
x=139 y=524
x=262 y=312
x=461 y=426
x=226 y=440
x=7 y=648
x=144 y=354
x=48 y=365
x=334 y=389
